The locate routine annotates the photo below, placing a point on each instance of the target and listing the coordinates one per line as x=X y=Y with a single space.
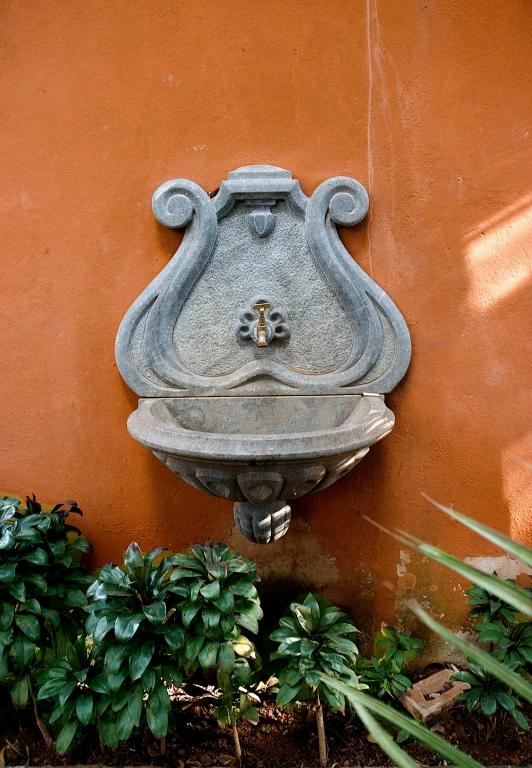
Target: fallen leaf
x=3 y=755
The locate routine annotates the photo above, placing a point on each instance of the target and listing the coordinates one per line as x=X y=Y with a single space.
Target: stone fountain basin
x=261 y=452
x=258 y=430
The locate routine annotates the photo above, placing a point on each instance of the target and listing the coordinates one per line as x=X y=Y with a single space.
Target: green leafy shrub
x=42 y=590
x=138 y=636
x=315 y=640
x=384 y=674
x=396 y=649
x=488 y=692
x=513 y=644
x=219 y=602
x=81 y=695
x=383 y=679
x=487 y=608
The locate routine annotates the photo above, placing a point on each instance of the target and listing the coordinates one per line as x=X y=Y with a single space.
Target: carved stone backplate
x=261 y=235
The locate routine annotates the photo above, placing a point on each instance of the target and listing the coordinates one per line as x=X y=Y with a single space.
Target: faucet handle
x=262 y=305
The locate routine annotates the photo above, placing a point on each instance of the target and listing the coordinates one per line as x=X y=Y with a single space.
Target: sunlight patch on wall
x=499 y=254
x=517 y=487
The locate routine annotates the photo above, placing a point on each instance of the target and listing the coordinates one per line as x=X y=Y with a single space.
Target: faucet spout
x=262 y=328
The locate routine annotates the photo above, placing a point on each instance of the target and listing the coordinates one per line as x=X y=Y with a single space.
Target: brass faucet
x=262 y=328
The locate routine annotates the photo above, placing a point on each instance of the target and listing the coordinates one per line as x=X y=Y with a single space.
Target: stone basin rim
x=375 y=422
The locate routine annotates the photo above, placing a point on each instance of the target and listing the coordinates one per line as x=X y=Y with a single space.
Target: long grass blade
x=383 y=739
x=518 y=684
x=419 y=731
x=502 y=541
x=517 y=598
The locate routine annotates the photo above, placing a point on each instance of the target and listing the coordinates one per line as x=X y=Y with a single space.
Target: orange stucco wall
x=427 y=103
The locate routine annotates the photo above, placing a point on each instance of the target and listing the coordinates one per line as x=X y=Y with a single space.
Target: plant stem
x=322 y=739
x=236 y=739
x=162 y=745
x=38 y=719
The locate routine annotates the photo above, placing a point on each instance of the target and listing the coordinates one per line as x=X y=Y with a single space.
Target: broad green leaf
x=183 y=573
x=157 y=721
x=37 y=557
x=311 y=603
x=115 y=655
x=210 y=616
x=516 y=682
x=24 y=649
x=304 y=617
x=193 y=647
x=64 y=740
x=33 y=606
x=249 y=608
x=164 y=698
x=243 y=588
x=135 y=703
x=99 y=684
x=7 y=573
x=344 y=628
x=383 y=739
x=126 y=625
x=7 y=540
x=107 y=729
x=488 y=703
x=329 y=617
x=133 y=557
x=308 y=646
x=189 y=612
x=52 y=687
x=148 y=678
x=286 y=693
x=227 y=623
x=75 y=598
x=211 y=591
x=248 y=623
x=68 y=688
x=312 y=678
x=226 y=601
x=120 y=699
x=174 y=636
x=7 y=611
x=140 y=658
x=17 y=590
x=57 y=547
x=28 y=624
x=341 y=645
x=156 y=612
x=84 y=705
x=124 y=725
x=226 y=655
x=20 y=692
x=37 y=581
x=116 y=679
x=104 y=625
x=402 y=722
x=207 y=655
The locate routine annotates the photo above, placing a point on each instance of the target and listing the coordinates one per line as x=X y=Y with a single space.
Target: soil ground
x=280 y=739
